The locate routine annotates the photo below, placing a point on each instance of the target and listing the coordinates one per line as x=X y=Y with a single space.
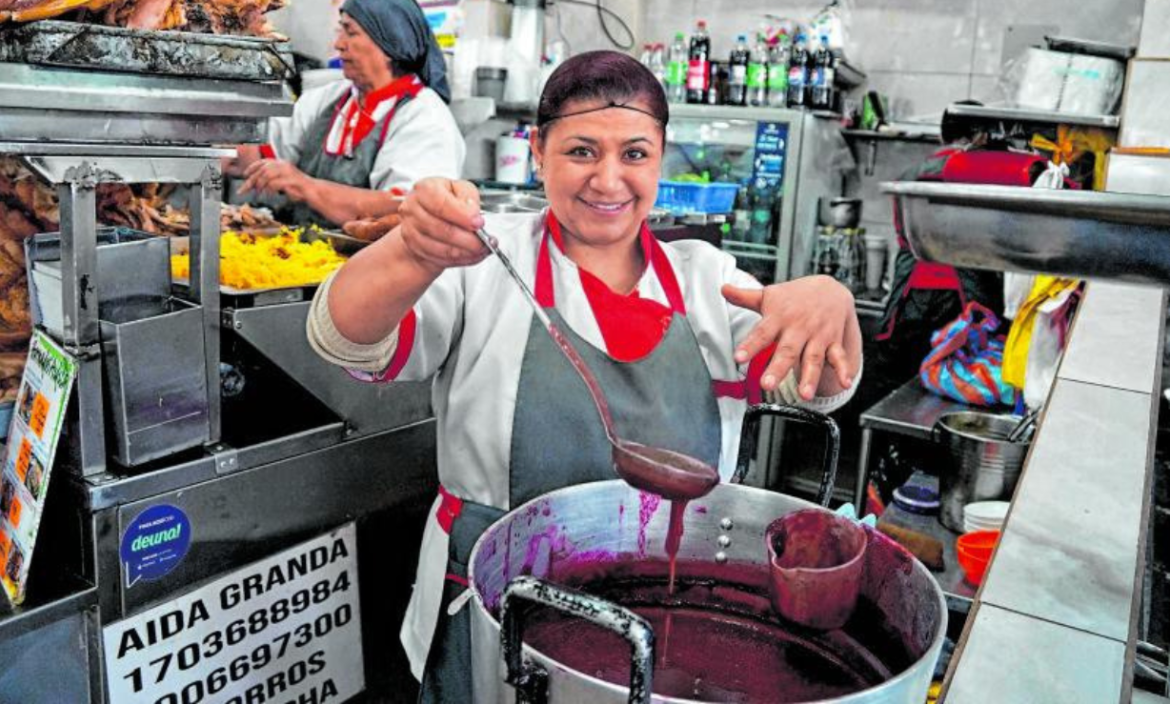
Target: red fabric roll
x=994 y=168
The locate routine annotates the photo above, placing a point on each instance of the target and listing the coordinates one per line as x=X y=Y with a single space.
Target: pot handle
x=936 y=432
x=530 y=679
x=751 y=431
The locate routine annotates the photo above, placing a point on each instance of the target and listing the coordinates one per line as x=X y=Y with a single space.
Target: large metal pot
x=524 y=558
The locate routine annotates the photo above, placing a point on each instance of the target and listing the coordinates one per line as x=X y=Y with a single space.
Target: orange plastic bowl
x=975 y=553
x=979 y=543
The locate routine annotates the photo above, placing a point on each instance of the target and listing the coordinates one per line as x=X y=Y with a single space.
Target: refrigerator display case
x=784 y=162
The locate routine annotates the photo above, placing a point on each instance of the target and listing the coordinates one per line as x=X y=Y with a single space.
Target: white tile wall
x=893 y=159
x=937 y=38
x=1146 y=104
x=1155 y=40
x=580 y=26
x=987 y=89
x=1113 y=21
x=924 y=53
x=919 y=97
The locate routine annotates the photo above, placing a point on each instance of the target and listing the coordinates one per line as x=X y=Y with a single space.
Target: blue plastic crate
x=680 y=198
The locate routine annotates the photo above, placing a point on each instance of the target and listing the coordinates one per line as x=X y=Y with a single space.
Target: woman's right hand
x=439 y=219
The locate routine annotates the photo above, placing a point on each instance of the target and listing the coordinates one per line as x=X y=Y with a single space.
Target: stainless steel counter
x=1057 y=616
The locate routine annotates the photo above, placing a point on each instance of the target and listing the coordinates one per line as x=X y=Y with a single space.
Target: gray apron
x=664 y=399
x=352 y=169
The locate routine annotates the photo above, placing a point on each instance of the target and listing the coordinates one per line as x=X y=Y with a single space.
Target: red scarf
x=631 y=326
x=357 y=116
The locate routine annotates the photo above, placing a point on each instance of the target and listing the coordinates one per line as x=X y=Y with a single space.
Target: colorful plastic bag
x=966 y=360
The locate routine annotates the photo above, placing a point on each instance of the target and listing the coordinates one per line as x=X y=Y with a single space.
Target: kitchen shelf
x=1083 y=234
x=876 y=136
x=734 y=112
x=1030 y=115
x=751 y=250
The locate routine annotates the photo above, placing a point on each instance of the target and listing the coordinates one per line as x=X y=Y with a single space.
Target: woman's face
x=362 y=61
x=600 y=170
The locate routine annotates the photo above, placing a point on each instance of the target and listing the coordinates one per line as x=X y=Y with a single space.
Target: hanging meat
x=238 y=17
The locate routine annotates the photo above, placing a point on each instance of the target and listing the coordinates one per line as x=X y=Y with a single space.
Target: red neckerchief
x=357 y=121
x=630 y=325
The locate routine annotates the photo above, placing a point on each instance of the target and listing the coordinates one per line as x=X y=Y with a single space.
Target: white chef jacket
x=422 y=138
x=469 y=331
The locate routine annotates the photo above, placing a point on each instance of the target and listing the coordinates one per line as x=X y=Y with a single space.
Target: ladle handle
x=751 y=431
x=1024 y=426
x=531 y=680
x=539 y=309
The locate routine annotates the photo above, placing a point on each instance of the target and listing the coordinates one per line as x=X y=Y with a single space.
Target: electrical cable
x=602 y=11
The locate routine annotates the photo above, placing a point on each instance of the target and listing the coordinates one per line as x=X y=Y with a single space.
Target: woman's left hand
x=813 y=322
x=273 y=176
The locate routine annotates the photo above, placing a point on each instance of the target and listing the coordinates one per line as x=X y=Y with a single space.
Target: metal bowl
x=1080 y=234
x=511 y=202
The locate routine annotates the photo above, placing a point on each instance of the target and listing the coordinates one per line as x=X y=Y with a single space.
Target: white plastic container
x=512 y=162
x=1069 y=83
x=876 y=249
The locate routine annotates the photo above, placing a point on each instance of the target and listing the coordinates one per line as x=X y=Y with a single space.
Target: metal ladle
x=672 y=475
x=1025 y=425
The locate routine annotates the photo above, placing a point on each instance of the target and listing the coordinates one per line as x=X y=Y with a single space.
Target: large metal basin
x=612 y=526
x=1080 y=234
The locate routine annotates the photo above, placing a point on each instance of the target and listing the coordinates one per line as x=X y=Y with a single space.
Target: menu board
x=283 y=630
x=28 y=458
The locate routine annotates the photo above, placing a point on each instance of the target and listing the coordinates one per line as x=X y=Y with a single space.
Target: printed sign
x=28 y=458
x=445 y=18
x=155 y=543
x=285 y=629
x=771 y=148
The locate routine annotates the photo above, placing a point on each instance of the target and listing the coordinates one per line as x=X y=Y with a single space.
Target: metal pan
x=186 y=54
x=1080 y=234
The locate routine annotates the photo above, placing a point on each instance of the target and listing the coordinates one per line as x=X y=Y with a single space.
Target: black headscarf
x=400 y=30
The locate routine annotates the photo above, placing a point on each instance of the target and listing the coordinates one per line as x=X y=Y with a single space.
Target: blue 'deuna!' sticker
x=155 y=543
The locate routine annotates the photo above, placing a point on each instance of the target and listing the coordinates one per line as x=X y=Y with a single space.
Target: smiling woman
x=678 y=338
x=601 y=168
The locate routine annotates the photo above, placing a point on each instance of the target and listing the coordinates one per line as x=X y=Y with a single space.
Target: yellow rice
x=278 y=261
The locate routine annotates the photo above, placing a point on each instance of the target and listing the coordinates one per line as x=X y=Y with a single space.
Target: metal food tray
x=45 y=104
x=341 y=242
x=253 y=297
x=169 y=53
x=1082 y=234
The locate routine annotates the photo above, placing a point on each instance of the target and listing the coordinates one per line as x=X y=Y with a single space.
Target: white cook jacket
x=471 y=329
x=422 y=139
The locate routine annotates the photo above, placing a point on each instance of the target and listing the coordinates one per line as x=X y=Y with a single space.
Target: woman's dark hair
x=601 y=75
